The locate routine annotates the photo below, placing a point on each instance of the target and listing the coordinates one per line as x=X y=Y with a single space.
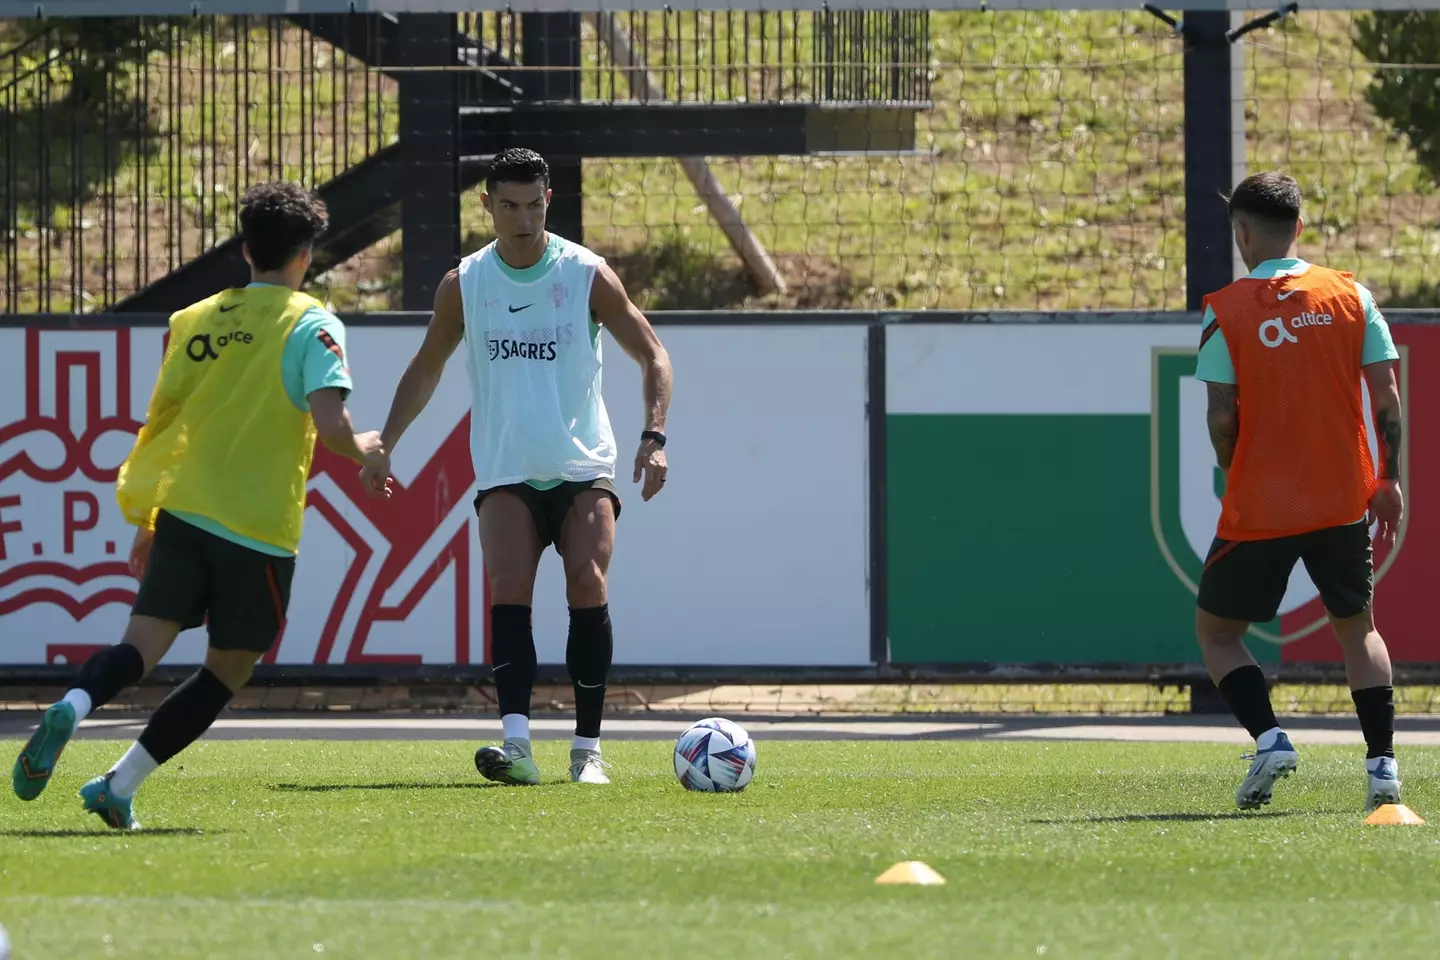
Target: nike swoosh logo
x=233 y=306
x=1286 y=295
x=518 y=309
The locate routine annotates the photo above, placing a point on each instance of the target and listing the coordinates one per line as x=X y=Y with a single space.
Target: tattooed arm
x=1389 y=422
x=1387 y=505
x=1223 y=418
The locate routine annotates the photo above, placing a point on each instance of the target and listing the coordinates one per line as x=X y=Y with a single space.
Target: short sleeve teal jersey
x=314 y=359
x=1213 y=365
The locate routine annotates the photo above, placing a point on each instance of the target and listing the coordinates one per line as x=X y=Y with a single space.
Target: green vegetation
x=1062 y=850
x=1050 y=174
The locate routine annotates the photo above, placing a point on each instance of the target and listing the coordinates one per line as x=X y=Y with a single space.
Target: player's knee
x=151 y=637
x=511 y=589
x=1213 y=631
x=232 y=667
x=584 y=584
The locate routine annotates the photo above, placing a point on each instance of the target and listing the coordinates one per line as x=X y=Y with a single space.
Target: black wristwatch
x=654 y=435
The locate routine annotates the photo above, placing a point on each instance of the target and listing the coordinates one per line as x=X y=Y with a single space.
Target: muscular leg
x=183 y=717
x=1367 y=667
x=511 y=546
x=512 y=557
x=107 y=673
x=587 y=543
x=1236 y=674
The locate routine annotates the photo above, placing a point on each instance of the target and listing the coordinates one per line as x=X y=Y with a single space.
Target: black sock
x=108 y=672
x=1248 y=696
x=512 y=651
x=588 y=653
x=1375 y=706
x=185 y=715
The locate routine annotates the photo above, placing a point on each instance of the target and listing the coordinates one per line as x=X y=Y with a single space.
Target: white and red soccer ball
x=714 y=755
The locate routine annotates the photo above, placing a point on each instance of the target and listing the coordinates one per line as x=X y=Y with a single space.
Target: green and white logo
x=1186 y=488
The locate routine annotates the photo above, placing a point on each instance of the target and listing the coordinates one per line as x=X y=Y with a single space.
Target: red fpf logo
x=63 y=542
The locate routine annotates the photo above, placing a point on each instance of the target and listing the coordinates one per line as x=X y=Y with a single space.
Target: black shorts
x=194 y=576
x=549 y=508
x=1246 y=579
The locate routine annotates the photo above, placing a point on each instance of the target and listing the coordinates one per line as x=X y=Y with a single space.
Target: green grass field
x=400 y=850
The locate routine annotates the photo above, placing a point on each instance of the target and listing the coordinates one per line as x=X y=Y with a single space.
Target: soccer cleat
x=37 y=761
x=509 y=763
x=587 y=767
x=1267 y=767
x=1384 y=785
x=117 y=812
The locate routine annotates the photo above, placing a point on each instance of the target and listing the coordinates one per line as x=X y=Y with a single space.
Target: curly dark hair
x=279 y=220
x=517 y=165
x=1271 y=199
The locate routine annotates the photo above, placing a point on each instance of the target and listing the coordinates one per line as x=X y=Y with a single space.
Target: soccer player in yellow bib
x=216 y=484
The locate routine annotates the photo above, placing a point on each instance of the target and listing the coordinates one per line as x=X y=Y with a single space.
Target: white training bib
x=533 y=353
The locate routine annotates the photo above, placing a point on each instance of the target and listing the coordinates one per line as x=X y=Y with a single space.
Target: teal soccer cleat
x=37 y=761
x=510 y=763
x=117 y=812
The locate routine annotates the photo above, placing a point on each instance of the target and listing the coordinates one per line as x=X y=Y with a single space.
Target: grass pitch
x=362 y=849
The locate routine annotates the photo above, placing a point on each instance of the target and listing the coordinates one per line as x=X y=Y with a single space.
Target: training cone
x=911 y=871
x=1394 y=815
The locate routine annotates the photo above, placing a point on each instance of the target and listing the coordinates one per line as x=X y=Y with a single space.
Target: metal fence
x=1015 y=159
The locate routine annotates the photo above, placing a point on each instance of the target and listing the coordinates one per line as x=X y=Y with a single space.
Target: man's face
x=518 y=210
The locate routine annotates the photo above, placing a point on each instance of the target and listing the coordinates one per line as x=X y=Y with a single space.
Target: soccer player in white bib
x=530 y=307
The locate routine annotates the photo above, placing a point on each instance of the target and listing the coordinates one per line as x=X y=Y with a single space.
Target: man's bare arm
x=1389 y=419
x=422 y=376
x=335 y=429
x=612 y=309
x=1223 y=418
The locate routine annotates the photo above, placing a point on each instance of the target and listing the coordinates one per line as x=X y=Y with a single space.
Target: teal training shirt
x=309 y=363
x=1213 y=365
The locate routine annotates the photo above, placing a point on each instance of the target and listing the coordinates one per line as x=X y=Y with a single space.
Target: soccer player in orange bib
x=1283 y=352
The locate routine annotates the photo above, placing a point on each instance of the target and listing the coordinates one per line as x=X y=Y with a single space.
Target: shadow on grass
x=417 y=785
x=1172 y=817
x=92 y=834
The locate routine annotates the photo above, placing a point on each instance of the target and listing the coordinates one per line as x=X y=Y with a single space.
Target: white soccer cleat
x=1269 y=765
x=1384 y=785
x=587 y=767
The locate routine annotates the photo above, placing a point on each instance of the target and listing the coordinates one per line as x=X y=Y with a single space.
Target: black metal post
x=1209 y=153
x=552 y=40
x=879 y=456
x=429 y=128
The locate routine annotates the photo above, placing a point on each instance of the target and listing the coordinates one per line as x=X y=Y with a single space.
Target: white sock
x=131 y=771
x=80 y=700
x=1373 y=763
x=517 y=726
x=1266 y=740
x=586 y=743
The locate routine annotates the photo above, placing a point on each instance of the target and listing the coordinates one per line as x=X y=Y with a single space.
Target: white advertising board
x=755 y=554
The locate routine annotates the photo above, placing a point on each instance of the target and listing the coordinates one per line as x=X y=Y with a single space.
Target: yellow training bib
x=222 y=438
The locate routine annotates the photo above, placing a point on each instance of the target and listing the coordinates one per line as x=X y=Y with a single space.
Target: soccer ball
x=4 y=944
x=714 y=756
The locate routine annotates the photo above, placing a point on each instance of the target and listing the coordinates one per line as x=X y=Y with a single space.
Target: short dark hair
x=278 y=220
x=1272 y=198
x=517 y=165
